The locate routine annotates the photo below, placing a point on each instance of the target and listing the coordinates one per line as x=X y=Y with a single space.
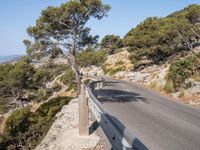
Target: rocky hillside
x=154 y=76
x=160 y=53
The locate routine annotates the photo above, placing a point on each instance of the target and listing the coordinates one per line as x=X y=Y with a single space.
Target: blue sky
x=17 y=15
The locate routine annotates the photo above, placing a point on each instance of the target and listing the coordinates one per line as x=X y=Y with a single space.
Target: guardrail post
x=97 y=85
x=93 y=88
x=101 y=83
x=83 y=113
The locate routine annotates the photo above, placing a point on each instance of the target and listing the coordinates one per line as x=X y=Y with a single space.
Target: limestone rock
x=92 y=71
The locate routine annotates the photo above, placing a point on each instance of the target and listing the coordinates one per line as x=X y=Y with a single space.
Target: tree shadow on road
x=119 y=96
x=110 y=83
x=116 y=132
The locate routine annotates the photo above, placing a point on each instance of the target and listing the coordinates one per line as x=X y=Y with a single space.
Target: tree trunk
x=78 y=80
x=73 y=62
x=75 y=69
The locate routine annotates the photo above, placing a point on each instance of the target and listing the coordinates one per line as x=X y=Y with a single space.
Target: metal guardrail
x=118 y=135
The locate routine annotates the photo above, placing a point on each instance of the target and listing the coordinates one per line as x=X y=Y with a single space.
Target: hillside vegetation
x=172 y=39
x=21 y=83
x=155 y=39
x=25 y=129
x=162 y=53
x=29 y=101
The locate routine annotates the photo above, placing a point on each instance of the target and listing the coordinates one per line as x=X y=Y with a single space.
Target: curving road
x=158 y=121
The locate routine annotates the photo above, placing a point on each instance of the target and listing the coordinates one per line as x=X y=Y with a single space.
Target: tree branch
x=62 y=23
x=195 y=33
x=189 y=45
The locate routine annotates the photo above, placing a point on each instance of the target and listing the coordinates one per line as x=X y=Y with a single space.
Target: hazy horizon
x=18 y=15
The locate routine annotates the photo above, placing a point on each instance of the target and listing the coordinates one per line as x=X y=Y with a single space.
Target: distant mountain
x=9 y=58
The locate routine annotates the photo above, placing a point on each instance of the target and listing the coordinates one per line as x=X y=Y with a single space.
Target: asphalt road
x=159 y=122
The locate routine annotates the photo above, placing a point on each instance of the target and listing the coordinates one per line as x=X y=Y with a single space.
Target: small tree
x=193 y=17
x=64 y=28
x=110 y=43
x=15 y=80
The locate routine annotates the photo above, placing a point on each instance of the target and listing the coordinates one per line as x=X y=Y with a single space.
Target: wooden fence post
x=83 y=113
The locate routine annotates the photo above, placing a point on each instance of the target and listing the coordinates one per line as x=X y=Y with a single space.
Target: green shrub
x=181 y=70
x=115 y=70
x=157 y=38
x=54 y=69
x=134 y=59
x=87 y=81
x=26 y=81
x=88 y=58
x=18 y=121
x=56 y=87
x=41 y=94
x=28 y=128
x=111 y=44
x=3 y=105
x=69 y=79
x=58 y=69
x=41 y=76
x=58 y=102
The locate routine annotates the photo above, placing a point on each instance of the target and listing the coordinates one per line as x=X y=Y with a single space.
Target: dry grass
x=156 y=86
x=35 y=106
x=197 y=77
x=182 y=94
x=117 y=62
x=70 y=93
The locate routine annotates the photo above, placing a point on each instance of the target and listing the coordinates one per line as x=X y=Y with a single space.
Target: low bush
x=115 y=70
x=88 y=58
x=134 y=59
x=111 y=44
x=55 y=69
x=3 y=105
x=25 y=129
x=68 y=79
x=87 y=81
x=42 y=94
x=181 y=70
x=56 y=87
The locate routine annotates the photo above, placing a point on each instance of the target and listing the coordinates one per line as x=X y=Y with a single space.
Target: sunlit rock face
x=92 y=71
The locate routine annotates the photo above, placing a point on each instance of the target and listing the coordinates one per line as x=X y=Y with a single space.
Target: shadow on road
x=119 y=96
x=116 y=132
x=110 y=83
